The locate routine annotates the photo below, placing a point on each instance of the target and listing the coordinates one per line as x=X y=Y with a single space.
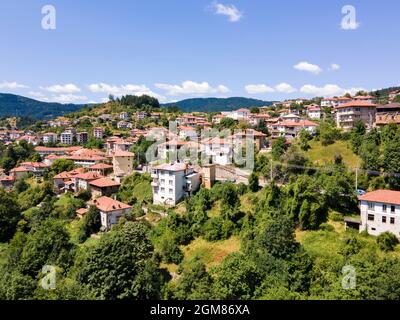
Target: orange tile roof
x=106 y=204
x=385 y=196
x=89 y=176
x=120 y=153
x=101 y=166
x=363 y=104
x=104 y=182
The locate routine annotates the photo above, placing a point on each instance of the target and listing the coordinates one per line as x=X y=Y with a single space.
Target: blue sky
x=176 y=49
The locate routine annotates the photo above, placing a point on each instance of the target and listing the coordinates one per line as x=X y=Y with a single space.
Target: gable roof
x=385 y=196
x=106 y=204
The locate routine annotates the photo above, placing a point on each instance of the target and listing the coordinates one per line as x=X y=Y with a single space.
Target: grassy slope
x=319 y=154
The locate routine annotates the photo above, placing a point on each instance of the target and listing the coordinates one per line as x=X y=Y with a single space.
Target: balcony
x=155 y=183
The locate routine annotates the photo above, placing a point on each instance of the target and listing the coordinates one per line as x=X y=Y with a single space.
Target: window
x=384 y=208
x=371 y=217
x=384 y=219
x=171 y=182
x=171 y=191
x=162 y=189
x=162 y=181
x=371 y=206
x=392 y=220
x=393 y=209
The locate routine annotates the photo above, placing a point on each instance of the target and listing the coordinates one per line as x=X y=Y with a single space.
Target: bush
x=387 y=241
x=327 y=227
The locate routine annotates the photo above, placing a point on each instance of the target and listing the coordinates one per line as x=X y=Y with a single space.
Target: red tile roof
x=104 y=182
x=121 y=153
x=356 y=104
x=385 y=196
x=106 y=204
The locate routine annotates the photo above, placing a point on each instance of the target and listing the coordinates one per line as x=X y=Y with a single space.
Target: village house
x=124 y=116
x=380 y=212
x=59 y=151
x=290 y=129
x=82 y=180
x=98 y=133
x=259 y=138
x=36 y=168
x=50 y=137
x=186 y=132
x=82 y=137
x=172 y=182
x=64 y=181
x=110 y=211
x=218 y=150
x=103 y=187
x=347 y=114
x=122 y=163
x=103 y=169
x=393 y=95
x=67 y=137
x=387 y=114
x=314 y=112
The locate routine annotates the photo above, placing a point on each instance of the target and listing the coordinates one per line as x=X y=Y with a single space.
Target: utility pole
x=271 y=173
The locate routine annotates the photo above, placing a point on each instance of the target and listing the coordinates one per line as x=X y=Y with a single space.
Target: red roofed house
x=122 y=163
x=110 y=211
x=82 y=180
x=290 y=129
x=380 y=212
x=103 y=187
x=348 y=113
x=102 y=168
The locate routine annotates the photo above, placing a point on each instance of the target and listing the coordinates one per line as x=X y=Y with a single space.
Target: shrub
x=387 y=241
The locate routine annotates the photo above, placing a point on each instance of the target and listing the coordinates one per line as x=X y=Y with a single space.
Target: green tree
x=91 y=223
x=254 y=185
x=279 y=148
x=121 y=266
x=387 y=241
x=9 y=215
x=61 y=165
x=278 y=238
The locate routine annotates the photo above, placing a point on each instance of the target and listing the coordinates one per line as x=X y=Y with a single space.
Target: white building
x=218 y=150
x=124 y=116
x=82 y=137
x=50 y=137
x=380 y=212
x=110 y=211
x=291 y=129
x=98 y=133
x=172 y=182
x=67 y=137
x=314 y=112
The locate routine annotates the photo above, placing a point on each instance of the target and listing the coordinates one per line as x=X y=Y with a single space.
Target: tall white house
x=172 y=182
x=380 y=212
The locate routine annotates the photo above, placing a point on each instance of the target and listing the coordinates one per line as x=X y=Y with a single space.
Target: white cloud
x=68 y=98
x=12 y=85
x=328 y=90
x=309 y=67
x=334 y=67
x=258 y=89
x=191 y=88
x=62 y=88
x=127 y=89
x=230 y=11
x=285 y=88
x=38 y=95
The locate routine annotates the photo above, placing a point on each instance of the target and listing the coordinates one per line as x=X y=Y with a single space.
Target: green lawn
x=321 y=155
x=211 y=253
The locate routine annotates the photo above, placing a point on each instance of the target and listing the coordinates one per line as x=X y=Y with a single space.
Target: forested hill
x=14 y=105
x=217 y=104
